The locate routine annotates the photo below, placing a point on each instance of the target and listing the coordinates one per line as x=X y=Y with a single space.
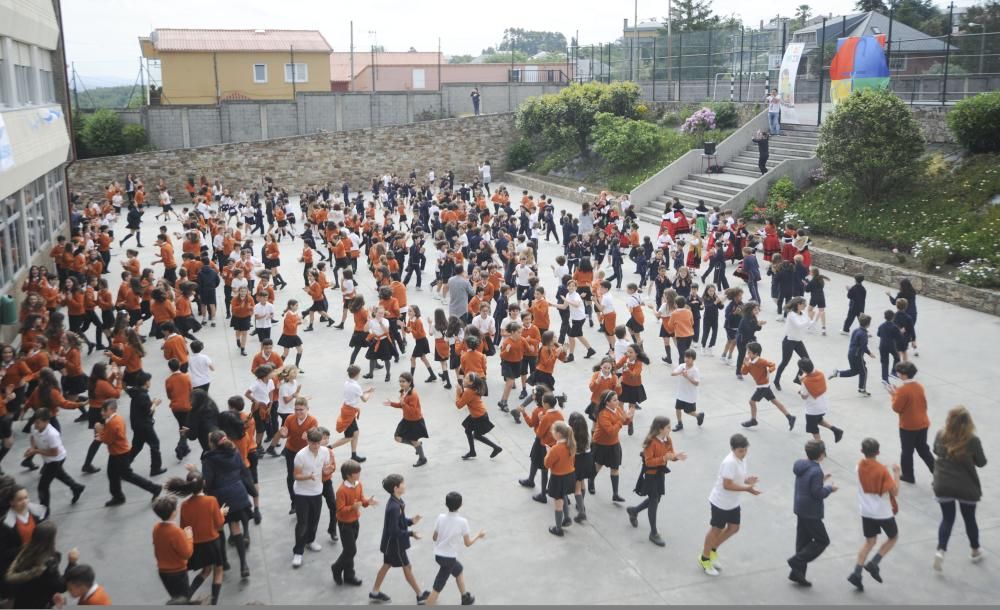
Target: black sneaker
x=633 y=518
x=495 y=452
x=701 y=418
x=523 y=394
x=678 y=427
x=354 y=581
x=837 y=435
x=115 y=502
x=422 y=598
x=617 y=498
x=420 y=462
x=29 y=464
x=468 y=599
x=90 y=469
x=590 y=352
x=338 y=577
x=470 y=455
x=777 y=385
x=570 y=358
x=540 y=498
x=631 y=428
x=855 y=579
x=655 y=539
x=872 y=569
x=750 y=423
x=556 y=531
x=566 y=522
x=791 y=422
x=580 y=517
x=526 y=483
x=79 y=492
x=257 y=517
x=379 y=597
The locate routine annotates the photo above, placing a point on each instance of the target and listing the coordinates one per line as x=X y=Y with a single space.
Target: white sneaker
x=977 y=556
x=296 y=561
x=314 y=547
x=845 y=333
x=938 y=561
x=779 y=319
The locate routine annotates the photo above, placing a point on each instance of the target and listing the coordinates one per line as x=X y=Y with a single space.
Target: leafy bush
x=134 y=138
x=521 y=154
x=670 y=119
x=571 y=113
x=701 y=121
x=933 y=252
x=872 y=143
x=783 y=190
x=975 y=121
x=102 y=133
x=626 y=143
x=980 y=272
x=726 y=115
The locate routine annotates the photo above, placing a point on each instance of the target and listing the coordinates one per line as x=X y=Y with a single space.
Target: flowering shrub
x=980 y=273
x=759 y=212
x=701 y=120
x=933 y=251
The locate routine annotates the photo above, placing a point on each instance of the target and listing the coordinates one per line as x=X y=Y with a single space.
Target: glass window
x=56 y=201
x=36 y=214
x=48 y=86
x=3 y=84
x=299 y=71
x=23 y=77
x=10 y=240
x=260 y=73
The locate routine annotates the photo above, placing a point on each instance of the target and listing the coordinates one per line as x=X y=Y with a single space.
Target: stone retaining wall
x=299 y=161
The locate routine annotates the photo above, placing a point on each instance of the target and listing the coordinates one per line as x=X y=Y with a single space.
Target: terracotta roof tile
x=168 y=39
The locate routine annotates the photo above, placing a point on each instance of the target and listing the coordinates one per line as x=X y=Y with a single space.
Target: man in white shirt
x=774 y=112
x=311 y=464
x=200 y=367
x=449 y=530
x=263 y=312
x=47 y=442
x=725 y=502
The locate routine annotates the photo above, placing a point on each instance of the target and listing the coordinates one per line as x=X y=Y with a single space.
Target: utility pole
x=947 y=53
x=635 y=37
x=350 y=85
x=670 y=45
x=142 y=84
x=76 y=97
x=295 y=75
x=215 y=70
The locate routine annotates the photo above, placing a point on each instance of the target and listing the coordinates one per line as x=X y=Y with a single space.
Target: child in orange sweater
x=760 y=370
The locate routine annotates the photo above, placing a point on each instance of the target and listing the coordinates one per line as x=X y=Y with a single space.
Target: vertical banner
x=786 y=81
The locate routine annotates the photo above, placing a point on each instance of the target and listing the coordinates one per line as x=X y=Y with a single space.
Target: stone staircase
x=796 y=142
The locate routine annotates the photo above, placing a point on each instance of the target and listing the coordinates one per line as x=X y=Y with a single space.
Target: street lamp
x=982 y=43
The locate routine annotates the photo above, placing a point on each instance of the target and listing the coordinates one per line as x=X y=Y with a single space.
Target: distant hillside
x=109 y=97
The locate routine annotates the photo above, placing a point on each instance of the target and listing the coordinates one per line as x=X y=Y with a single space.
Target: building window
x=298 y=73
x=419 y=79
x=260 y=73
x=57 y=205
x=36 y=214
x=48 y=86
x=22 y=76
x=11 y=260
x=897 y=63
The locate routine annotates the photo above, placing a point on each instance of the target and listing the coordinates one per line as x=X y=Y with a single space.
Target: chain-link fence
x=739 y=64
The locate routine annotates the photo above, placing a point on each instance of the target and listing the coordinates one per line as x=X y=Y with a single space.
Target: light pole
x=982 y=43
x=635 y=38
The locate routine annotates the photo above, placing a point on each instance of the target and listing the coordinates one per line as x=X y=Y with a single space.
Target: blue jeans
x=773 y=123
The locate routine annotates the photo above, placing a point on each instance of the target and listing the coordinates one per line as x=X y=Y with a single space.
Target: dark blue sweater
x=809 y=489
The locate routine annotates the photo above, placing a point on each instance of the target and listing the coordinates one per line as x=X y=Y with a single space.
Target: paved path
x=519 y=562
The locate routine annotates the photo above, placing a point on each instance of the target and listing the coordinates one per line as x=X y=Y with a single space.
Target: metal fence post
x=947 y=54
x=653 y=72
x=680 y=64
x=888 y=53
x=822 y=45
x=591 y=75
x=708 y=68
x=741 y=63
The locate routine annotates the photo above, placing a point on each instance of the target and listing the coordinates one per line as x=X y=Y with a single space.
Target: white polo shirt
x=735 y=470
x=307 y=464
x=47 y=439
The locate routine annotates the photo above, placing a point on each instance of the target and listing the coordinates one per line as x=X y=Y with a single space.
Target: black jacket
x=34 y=587
x=396 y=528
x=140 y=412
x=227 y=478
x=10 y=540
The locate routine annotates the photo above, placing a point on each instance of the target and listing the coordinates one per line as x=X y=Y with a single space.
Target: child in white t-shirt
x=687 y=389
x=450 y=529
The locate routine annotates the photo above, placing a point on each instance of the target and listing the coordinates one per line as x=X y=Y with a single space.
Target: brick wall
x=295 y=162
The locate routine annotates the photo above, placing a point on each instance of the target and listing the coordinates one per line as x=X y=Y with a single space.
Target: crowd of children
x=493 y=241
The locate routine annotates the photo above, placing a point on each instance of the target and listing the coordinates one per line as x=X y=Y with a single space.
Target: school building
x=34 y=141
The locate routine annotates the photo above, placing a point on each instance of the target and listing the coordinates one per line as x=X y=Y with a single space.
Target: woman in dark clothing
x=203 y=418
x=228 y=479
x=906 y=291
x=133 y=222
x=34 y=578
x=761 y=140
x=746 y=333
x=959 y=453
x=788 y=282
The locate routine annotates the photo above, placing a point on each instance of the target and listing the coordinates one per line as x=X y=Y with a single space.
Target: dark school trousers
x=349 y=548
x=910 y=441
x=811 y=540
x=120 y=469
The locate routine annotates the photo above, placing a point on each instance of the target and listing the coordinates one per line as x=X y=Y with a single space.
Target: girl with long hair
x=477 y=424
x=205 y=517
x=412 y=427
x=959 y=453
x=561 y=461
x=657 y=450
x=610 y=417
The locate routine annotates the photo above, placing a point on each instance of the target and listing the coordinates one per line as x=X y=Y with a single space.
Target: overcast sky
x=101 y=35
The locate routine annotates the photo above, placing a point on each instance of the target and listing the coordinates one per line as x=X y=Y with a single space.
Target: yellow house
x=209 y=66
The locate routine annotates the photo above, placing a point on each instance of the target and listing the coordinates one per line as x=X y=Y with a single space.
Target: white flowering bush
x=933 y=251
x=702 y=120
x=980 y=273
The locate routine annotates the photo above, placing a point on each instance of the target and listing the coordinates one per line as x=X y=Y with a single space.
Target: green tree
x=802 y=14
x=532 y=41
x=460 y=59
x=692 y=16
x=133 y=138
x=625 y=143
x=503 y=58
x=102 y=134
x=872 y=5
x=872 y=142
x=975 y=121
x=922 y=15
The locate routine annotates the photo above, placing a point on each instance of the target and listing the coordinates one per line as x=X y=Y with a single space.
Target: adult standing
x=751 y=268
x=475 y=100
x=908 y=292
x=774 y=112
x=910 y=402
x=311 y=465
x=959 y=452
x=763 y=151
x=459 y=293
x=486 y=173
x=47 y=442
